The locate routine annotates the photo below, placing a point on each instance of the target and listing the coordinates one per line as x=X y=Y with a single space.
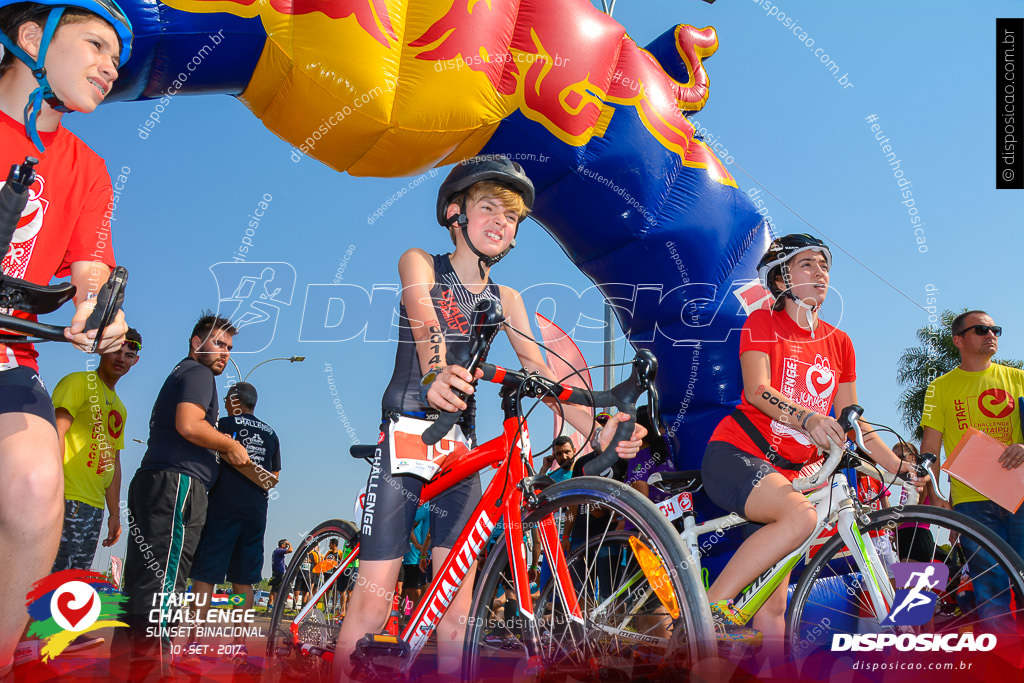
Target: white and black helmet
x=780 y=251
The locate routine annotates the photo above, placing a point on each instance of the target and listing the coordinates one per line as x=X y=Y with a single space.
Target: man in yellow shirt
x=90 y=425
x=983 y=395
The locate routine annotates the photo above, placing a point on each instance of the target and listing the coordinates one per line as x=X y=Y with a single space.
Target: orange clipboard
x=975 y=462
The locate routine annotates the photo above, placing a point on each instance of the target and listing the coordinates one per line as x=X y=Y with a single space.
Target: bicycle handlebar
x=622 y=396
x=487 y=319
x=849 y=419
x=13 y=199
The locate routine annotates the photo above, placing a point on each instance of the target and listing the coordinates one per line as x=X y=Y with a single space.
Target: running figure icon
x=919 y=580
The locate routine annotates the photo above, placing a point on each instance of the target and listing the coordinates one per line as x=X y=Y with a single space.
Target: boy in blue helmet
x=59 y=56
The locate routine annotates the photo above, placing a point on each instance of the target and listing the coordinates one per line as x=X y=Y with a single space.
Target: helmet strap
x=44 y=93
x=483 y=260
x=808 y=309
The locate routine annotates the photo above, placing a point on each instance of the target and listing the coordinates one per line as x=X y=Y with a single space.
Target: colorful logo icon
x=236 y=599
x=65 y=605
x=915 y=600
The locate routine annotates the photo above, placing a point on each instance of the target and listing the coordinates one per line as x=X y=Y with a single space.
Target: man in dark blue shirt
x=231 y=546
x=277 y=566
x=167 y=498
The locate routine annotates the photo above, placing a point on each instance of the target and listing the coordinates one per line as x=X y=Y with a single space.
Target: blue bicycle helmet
x=105 y=9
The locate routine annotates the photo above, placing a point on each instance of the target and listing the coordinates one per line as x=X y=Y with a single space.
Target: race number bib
x=409 y=455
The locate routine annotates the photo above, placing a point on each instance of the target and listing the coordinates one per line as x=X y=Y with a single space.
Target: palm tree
x=919 y=365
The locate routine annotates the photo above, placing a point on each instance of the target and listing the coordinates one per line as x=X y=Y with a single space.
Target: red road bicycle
x=591 y=619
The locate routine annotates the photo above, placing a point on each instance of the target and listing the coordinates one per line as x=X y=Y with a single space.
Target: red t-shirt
x=807 y=371
x=66 y=219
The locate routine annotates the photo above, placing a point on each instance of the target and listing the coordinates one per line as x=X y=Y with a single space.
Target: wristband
x=427 y=380
x=803 y=424
x=595 y=440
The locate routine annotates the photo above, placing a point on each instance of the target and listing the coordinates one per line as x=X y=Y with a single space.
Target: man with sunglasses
x=983 y=395
x=90 y=426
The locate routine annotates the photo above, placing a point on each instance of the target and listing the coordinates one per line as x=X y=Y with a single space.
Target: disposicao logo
x=67 y=604
x=914 y=605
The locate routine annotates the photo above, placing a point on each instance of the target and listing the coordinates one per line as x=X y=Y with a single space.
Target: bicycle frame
x=844 y=513
x=502 y=500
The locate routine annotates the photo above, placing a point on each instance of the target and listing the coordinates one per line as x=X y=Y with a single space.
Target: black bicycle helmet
x=780 y=251
x=489 y=167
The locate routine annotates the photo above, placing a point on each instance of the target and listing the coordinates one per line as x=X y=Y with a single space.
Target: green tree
x=919 y=365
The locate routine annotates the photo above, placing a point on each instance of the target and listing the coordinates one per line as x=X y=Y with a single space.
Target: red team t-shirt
x=66 y=218
x=805 y=370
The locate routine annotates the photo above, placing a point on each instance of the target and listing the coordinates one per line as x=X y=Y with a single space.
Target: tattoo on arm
x=434 y=341
x=786 y=408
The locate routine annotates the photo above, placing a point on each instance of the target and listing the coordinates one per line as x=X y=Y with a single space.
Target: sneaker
x=729 y=624
x=84 y=642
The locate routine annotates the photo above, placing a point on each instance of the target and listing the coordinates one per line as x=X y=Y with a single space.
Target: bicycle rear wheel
x=626 y=631
x=830 y=599
x=303 y=648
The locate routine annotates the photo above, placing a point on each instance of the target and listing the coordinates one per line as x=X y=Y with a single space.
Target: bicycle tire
x=310 y=659
x=818 y=611
x=595 y=650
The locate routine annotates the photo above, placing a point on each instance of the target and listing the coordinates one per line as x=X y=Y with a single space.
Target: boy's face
x=81 y=63
x=492 y=224
x=119 y=362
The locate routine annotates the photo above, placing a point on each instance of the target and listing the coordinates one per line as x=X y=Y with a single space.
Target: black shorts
x=347 y=580
x=730 y=474
x=386 y=527
x=275 y=581
x=231 y=549
x=21 y=391
x=414 y=576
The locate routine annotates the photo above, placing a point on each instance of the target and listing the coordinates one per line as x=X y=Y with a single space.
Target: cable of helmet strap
x=482 y=258
x=807 y=308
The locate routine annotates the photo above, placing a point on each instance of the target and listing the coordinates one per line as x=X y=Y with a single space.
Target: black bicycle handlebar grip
x=13 y=198
x=645 y=368
x=486 y=320
x=850 y=414
x=108 y=303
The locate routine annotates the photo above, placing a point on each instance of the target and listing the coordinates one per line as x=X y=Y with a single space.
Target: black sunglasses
x=982 y=330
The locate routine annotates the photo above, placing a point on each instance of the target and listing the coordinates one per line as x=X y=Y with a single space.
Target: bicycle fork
x=875 y=578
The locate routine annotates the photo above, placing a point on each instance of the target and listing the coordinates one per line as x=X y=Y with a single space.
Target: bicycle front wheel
x=300 y=646
x=830 y=597
x=622 y=628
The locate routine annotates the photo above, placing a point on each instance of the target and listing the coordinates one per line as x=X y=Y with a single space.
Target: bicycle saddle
x=32 y=298
x=676 y=482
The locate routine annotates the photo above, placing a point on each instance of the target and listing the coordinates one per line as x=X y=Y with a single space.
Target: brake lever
x=858 y=438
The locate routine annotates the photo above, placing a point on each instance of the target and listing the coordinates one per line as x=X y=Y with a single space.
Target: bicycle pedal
x=381 y=653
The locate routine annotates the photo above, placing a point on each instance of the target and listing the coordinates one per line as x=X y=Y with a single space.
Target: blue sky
x=792 y=129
